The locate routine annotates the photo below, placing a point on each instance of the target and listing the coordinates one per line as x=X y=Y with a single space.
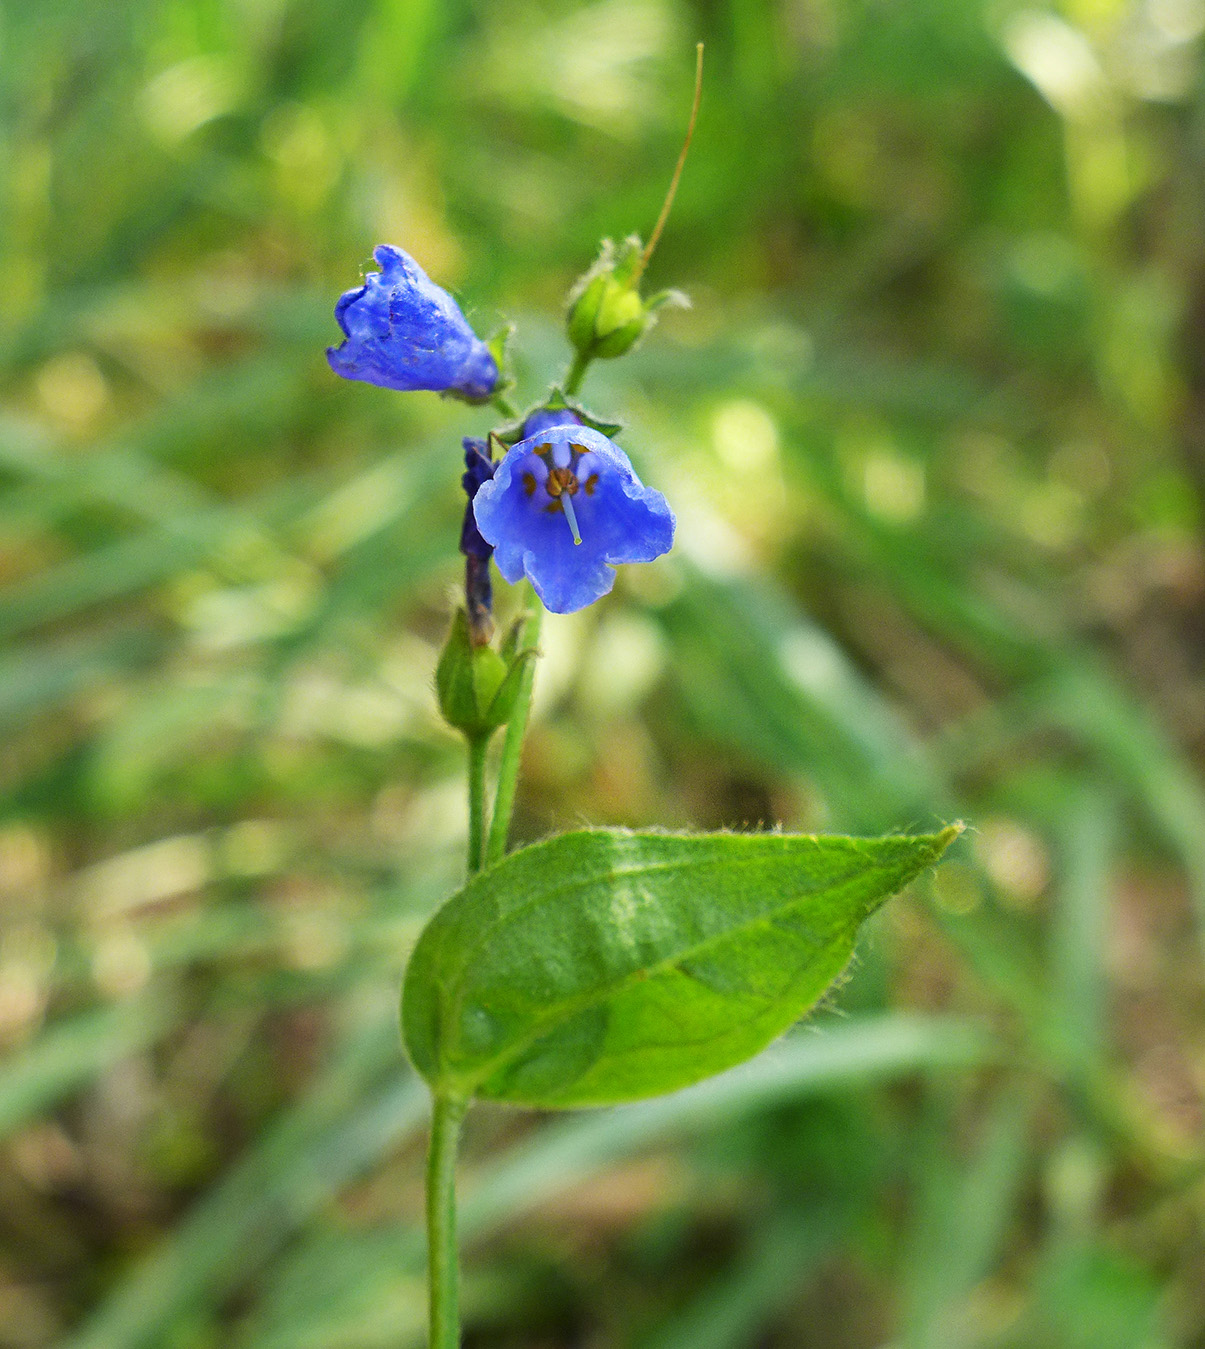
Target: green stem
x=577 y=372
x=478 y=745
x=512 y=746
x=442 y=1269
x=505 y=406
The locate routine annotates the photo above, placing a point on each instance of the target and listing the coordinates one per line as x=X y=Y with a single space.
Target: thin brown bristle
x=673 y=184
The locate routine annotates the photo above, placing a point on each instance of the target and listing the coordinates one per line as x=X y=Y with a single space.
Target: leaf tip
x=949 y=834
x=940 y=841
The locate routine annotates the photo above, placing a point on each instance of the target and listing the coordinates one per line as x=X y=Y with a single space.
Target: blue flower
x=564 y=507
x=405 y=332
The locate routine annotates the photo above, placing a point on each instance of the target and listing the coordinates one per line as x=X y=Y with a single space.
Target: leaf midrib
x=573 y=1006
x=846 y=937
x=559 y=891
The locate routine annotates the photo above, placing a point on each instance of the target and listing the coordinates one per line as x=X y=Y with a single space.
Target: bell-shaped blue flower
x=405 y=332
x=565 y=508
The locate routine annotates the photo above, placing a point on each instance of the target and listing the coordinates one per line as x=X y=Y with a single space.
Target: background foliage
x=933 y=430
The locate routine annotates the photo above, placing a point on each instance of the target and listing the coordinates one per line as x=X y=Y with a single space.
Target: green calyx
x=554 y=402
x=478 y=686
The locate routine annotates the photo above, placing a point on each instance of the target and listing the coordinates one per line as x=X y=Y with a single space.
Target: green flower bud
x=607 y=314
x=621 y=320
x=583 y=311
x=477 y=687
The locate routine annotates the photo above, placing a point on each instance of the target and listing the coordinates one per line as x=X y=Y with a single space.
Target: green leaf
x=608 y=966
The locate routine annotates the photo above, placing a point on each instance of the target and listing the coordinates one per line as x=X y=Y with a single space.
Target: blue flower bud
x=478 y=592
x=405 y=332
x=564 y=508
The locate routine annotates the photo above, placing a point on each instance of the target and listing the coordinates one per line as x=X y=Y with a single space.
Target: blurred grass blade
x=1087 y=836
x=70 y=1054
x=839 y=1056
x=966 y=1211
x=36 y=678
x=765 y=681
x=108 y=573
x=1136 y=750
x=343 y=1126
x=836 y=1056
x=739 y=1303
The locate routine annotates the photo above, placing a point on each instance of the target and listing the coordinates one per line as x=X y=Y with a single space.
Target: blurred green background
x=935 y=433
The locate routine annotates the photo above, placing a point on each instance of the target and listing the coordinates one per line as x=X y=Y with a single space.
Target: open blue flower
x=565 y=508
x=405 y=332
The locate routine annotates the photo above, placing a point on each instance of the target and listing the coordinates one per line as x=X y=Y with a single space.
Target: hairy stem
x=478 y=745
x=443 y=1275
x=512 y=745
x=577 y=372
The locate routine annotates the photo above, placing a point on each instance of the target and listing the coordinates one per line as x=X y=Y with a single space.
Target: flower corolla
x=405 y=332
x=564 y=508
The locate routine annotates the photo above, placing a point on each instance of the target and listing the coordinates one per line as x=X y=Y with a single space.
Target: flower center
x=561 y=480
x=562 y=483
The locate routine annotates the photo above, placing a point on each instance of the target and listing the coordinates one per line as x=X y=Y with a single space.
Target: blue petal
x=405 y=332
x=619 y=519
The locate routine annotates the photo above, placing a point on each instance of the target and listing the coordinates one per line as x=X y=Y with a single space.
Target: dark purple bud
x=479 y=469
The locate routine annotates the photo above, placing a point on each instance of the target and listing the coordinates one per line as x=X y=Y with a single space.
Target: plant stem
x=443 y=1274
x=577 y=372
x=478 y=745
x=504 y=405
x=443 y=1270
x=512 y=746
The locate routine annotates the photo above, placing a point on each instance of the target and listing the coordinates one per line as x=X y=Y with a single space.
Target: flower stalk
x=512 y=745
x=443 y=1273
x=478 y=747
x=667 y=204
x=577 y=372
